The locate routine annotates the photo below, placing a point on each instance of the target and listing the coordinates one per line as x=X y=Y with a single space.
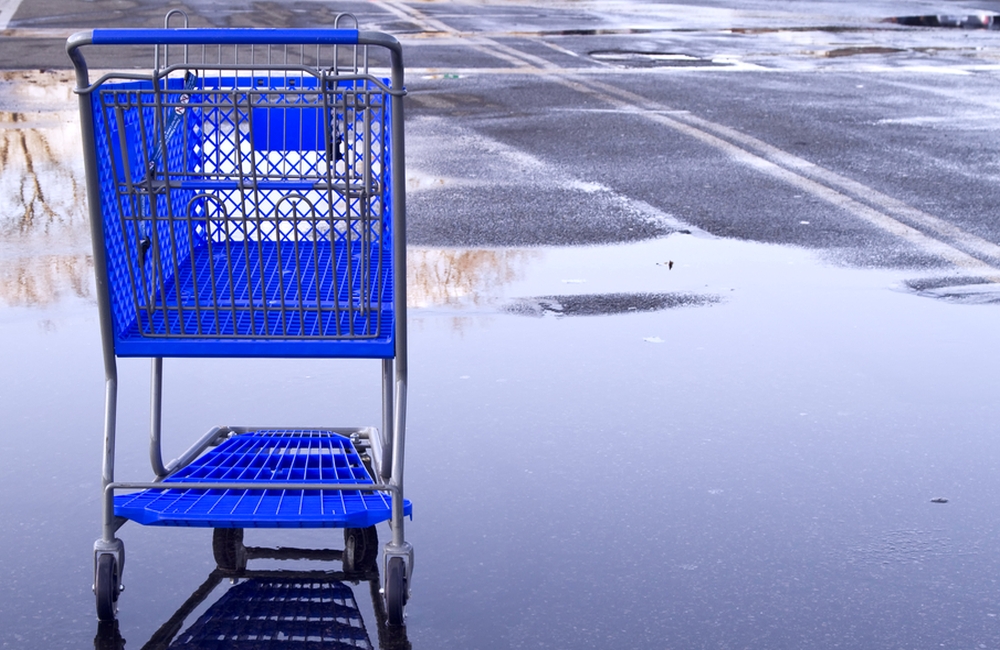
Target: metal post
x=388 y=419
x=156 y=417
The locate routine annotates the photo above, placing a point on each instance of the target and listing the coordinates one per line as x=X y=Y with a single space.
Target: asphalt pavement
x=733 y=120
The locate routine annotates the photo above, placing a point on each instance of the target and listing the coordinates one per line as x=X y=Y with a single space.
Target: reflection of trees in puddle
x=42 y=279
x=44 y=245
x=458 y=276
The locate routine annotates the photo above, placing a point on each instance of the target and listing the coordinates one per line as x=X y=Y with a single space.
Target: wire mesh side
x=247 y=204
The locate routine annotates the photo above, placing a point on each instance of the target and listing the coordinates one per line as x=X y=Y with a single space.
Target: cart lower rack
x=246 y=200
x=266 y=457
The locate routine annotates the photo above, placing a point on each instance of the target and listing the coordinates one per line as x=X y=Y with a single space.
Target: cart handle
x=215 y=36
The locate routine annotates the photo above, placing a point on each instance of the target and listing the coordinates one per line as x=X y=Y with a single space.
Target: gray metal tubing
x=195 y=450
x=234 y=67
x=388 y=417
x=249 y=485
x=196 y=37
x=376 y=451
x=156 y=417
x=103 y=300
x=344 y=431
x=399 y=245
x=210 y=36
x=108 y=464
x=109 y=492
x=396 y=481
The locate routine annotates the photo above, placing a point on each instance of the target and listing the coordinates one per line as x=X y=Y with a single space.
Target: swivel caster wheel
x=360 y=548
x=395 y=591
x=228 y=549
x=106 y=586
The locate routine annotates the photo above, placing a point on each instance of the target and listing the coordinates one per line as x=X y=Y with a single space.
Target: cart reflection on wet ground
x=246 y=607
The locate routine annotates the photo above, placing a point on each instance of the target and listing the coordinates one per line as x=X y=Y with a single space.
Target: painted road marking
x=7 y=10
x=891 y=215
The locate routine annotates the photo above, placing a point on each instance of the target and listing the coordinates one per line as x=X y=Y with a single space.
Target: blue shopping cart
x=246 y=200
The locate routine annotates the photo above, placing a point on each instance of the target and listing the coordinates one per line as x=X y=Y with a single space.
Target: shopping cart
x=246 y=200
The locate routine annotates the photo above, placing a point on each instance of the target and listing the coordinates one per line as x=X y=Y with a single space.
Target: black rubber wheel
x=360 y=548
x=228 y=549
x=395 y=591
x=106 y=587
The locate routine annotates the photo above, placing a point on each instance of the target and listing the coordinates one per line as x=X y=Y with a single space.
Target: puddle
x=605 y=304
x=650 y=275
x=865 y=49
x=974 y=21
x=679 y=270
x=642 y=59
x=801 y=402
x=829 y=29
x=967 y=290
x=454 y=277
x=44 y=238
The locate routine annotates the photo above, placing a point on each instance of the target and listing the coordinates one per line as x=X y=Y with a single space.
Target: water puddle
x=966 y=290
x=863 y=49
x=44 y=238
x=605 y=304
x=974 y=21
x=679 y=270
x=643 y=59
x=775 y=402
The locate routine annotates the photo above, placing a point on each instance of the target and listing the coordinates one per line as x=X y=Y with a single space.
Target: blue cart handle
x=215 y=36
x=226 y=37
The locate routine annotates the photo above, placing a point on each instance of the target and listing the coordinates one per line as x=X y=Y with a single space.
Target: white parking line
x=7 y=10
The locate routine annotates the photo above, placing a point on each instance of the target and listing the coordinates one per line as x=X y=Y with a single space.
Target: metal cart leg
x=109 y=551
x=398 y=556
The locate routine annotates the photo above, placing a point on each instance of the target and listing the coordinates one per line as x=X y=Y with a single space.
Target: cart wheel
x=228 y=549
x=395 y=591
x=360 y=548
x=106 y=587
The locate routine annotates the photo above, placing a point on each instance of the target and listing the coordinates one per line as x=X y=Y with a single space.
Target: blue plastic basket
x=247 y=216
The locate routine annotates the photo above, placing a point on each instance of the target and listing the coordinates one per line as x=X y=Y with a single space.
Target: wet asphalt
x=704 y=314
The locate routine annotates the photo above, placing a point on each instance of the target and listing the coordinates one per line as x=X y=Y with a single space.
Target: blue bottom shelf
x=284 y=455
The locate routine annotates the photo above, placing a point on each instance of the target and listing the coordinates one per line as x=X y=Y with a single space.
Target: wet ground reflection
x=462 y=276
x=975 y=21
x=44 y=241
x=275 y=609
x=755 y=473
